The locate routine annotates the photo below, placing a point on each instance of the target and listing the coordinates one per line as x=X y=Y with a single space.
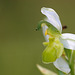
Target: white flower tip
x=45 y=71
x=52 y=17
x=44 y=10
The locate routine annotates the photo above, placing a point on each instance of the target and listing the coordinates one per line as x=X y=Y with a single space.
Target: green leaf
x=68 y=53
x=53 y=51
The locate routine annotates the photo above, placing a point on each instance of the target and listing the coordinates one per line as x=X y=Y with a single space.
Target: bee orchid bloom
x=67 y=39
x=55 y=40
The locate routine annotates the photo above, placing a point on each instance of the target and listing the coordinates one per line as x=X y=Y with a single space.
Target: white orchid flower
x=67 y=39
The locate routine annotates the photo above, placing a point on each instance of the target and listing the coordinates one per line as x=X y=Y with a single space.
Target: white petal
x=44 y=28
x=68 y=36
x=68 y=40
x=62 y=65
x=53 y=17
x=45 y=71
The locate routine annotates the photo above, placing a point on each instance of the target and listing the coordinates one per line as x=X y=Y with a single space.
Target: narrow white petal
x=68 y=36
x=62 y=65
x=44 y=28
x=68 y=40
x=53 y=17
x=69 y=44
x=45 y=71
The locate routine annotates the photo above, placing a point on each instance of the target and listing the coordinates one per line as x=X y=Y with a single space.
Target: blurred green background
x=20 y=45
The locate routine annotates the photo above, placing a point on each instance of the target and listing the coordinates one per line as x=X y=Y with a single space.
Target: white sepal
x=68 y=40
x=52 y=17
x=68 y=36
x=62 y=65
x=44 y=28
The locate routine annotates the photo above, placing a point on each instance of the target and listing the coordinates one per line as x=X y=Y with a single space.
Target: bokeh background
x=20 y=45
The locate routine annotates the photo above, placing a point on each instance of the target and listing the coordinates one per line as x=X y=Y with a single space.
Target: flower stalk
x=60 y=73
x=71 y=62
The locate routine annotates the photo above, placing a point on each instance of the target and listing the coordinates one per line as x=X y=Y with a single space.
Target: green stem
x=71 y=62
x=61 y=73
